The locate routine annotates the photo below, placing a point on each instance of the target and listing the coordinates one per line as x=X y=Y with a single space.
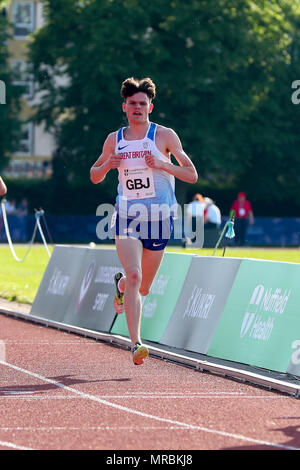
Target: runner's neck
x=136 y=131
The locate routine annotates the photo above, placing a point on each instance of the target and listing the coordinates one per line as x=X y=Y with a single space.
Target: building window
x=23 y=19
x=22 y=77
x=26 y=140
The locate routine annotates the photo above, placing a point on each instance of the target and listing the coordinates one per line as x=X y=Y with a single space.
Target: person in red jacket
x=243 y=217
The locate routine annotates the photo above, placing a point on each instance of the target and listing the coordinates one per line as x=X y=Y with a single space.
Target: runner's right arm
x=107 y=160
x=3 y=189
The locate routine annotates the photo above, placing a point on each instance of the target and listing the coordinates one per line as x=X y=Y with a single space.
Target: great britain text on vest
x=138 y=154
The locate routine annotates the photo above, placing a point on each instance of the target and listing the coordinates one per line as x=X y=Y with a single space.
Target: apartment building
x=36 y=147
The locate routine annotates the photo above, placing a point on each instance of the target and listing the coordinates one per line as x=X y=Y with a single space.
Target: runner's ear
x=123 y=106
x=150 y=108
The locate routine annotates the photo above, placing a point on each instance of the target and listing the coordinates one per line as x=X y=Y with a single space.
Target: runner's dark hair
x=131 y=85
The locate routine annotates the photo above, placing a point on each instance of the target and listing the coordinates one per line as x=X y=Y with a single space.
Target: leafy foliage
x=9 y=112
x=223 y=71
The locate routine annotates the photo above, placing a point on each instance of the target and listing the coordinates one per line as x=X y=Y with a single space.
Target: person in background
x=10 y=206
x=22 y=212
x=243 y=217
x=3 y=189
x=212 y=214
x=195 y=209
x=197 y=206
x=22 y=208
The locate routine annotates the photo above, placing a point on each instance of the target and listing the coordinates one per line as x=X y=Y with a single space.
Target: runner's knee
x=134 y=277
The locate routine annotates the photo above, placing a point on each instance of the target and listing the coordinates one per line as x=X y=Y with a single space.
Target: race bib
x=242 y=212
x=137 y=183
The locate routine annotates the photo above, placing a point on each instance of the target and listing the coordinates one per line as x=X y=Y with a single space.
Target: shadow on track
x=66 y=380
x=292 y=432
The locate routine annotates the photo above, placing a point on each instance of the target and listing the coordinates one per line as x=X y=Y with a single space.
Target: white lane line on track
x=147 y=415
x=2 y=351
x=146 y=394
x=176 y=393
x=13 y=446
x=169 y=393
x=47 y=342
x=94 y=428
x=19 y=396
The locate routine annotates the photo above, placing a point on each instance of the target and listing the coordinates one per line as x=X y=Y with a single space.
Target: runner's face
x=137 y=107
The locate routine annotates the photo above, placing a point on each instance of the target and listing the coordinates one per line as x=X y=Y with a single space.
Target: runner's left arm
x=185 y=171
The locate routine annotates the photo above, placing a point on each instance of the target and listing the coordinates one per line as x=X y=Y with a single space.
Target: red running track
x=62 y=391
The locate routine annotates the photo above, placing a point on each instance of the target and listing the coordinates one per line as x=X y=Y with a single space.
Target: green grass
x=291 y=255
x=20 y=281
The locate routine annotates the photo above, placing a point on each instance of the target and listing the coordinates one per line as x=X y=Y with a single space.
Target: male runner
x=142 y=154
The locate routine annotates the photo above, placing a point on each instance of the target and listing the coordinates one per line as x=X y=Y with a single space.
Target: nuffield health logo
x=258 y=321
x=2 y=92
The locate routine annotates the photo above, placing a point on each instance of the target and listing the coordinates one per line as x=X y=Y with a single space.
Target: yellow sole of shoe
x=140 y=355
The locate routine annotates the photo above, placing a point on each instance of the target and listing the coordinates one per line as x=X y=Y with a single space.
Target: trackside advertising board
x=201 y=303
x=59 y=281
x=78 y=288
x=242 y=310
x=261 y=319
x=159 y=304
x=92 y=303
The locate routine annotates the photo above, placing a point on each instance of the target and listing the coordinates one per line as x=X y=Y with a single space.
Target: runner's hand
x=114 y=161
x=118 y=308
x=153 y=162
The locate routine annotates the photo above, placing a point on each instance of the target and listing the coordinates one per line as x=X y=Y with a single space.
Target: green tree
x=272 y=171
x=9 y=122
x=223 y=70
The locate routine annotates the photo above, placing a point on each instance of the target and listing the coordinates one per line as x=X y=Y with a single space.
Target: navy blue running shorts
x=154 y=234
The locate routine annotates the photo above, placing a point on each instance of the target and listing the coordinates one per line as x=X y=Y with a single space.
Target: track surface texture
x=62 y=391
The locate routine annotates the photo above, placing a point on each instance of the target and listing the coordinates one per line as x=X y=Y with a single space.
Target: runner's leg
x=151 y=261
x=130 y=251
